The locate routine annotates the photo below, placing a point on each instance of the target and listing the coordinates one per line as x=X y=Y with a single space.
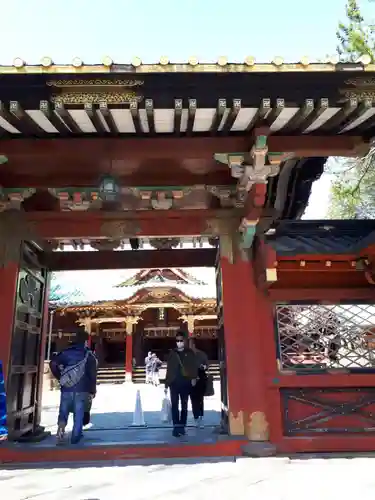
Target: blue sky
x=149 y=29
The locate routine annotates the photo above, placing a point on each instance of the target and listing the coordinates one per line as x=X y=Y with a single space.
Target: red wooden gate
x=24 y=381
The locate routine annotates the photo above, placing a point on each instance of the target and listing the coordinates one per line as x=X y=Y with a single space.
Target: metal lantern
x=109 y=188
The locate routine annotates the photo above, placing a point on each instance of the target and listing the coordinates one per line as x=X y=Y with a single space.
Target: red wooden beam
x=333 y=295
x=314 y=266
x=317 y=258
x=323 y=380
x=78 y=225
x=130 y=259
x=197 y=147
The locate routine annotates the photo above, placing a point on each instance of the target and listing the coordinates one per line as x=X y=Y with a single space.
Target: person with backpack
x=75 y=368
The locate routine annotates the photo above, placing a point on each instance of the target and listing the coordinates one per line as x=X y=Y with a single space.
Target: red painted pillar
x=250 y=351
x=129 y=357
x=8 y=297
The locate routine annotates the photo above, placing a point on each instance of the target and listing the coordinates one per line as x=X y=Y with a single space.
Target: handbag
x=210 y=391
x=166 y=411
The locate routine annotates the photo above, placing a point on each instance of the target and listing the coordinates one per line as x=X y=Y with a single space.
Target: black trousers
x=197 y=396
x=180 y=393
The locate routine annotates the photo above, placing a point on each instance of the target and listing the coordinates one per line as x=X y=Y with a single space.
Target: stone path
x=112 y=415
x=219 y=479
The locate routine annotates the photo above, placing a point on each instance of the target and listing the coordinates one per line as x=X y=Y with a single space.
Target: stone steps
x=116 y=374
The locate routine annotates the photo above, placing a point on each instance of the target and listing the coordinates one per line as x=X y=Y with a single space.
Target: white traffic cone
x=138 y=417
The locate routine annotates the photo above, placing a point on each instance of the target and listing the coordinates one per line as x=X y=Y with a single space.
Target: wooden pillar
x=130 y=321
x=250 y=352
x=8 y=297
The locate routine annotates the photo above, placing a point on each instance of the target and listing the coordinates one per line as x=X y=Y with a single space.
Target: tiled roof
x=77 y=288
x=322 y=237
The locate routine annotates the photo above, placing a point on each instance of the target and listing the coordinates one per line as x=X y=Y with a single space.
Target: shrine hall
x=155 y=304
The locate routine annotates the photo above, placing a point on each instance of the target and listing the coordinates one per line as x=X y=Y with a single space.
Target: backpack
x=71 y=375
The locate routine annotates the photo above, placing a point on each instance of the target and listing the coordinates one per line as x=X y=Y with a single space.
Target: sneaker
x=196 y=422
x=182 y=431
x=201 y=422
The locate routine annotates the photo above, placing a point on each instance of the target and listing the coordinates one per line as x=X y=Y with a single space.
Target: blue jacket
x=70 y=357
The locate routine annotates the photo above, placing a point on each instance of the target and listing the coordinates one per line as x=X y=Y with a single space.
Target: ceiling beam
x=179 y=147
x=120 y=225
x=128 y=259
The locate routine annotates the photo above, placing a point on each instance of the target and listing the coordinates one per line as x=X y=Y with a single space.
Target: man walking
x=75 y=368
x=199 y=390
x=182 y=373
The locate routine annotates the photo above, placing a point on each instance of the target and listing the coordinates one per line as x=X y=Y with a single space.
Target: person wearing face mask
x=182 y=374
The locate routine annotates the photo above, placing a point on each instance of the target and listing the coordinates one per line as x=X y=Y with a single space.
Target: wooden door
x=221 y=348
x=24 y=383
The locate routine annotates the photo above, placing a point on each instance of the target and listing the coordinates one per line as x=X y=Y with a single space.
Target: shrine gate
x=111 y=154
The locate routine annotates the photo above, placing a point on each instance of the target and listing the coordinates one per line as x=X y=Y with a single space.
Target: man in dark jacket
x=182 y=373
x=74 y=398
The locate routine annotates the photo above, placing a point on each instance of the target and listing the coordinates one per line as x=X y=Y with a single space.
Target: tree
x=353 y=191
x=355 y=36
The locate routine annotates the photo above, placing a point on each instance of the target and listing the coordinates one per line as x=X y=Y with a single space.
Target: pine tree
x=355 y=35
x=353 y=191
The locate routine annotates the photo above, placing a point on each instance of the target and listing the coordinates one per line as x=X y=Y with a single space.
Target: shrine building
x=154 y=305
x=115 y=155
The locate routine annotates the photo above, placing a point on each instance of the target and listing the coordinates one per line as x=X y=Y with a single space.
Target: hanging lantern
x=109 y=188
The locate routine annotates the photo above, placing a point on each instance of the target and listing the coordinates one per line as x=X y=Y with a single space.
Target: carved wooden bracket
x=14 y=230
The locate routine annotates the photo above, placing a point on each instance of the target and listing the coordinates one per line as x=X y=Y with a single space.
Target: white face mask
x=180 y=344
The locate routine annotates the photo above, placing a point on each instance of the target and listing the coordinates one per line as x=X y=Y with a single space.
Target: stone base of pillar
x=128 y=377
x=259 y=449
x=36 y=436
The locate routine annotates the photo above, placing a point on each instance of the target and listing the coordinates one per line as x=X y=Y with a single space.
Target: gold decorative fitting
x=222 y=61
x=333 y=60
x=328 y=263
x=164 y=60
x=77 y=62
x=107 y=61
x=302 y=263
x=193 y=61
x=18 y=62
x=46 y=62
x=278 y=61
x=365 y=59
x=305 y=61
x=250 y=61
x=136 y=62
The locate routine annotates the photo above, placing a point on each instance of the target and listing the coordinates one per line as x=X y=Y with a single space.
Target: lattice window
x=326 y=336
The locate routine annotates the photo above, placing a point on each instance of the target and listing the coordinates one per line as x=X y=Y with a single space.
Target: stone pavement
x=218 y=479
x=112 y=416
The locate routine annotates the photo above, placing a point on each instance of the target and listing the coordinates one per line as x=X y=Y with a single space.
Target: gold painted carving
x=118 y=230
x=96 y=82
x=236 y=424
x=130 y=321
x=364 y=88
x=96 y=97
x=257 y=428
x=95 y=91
